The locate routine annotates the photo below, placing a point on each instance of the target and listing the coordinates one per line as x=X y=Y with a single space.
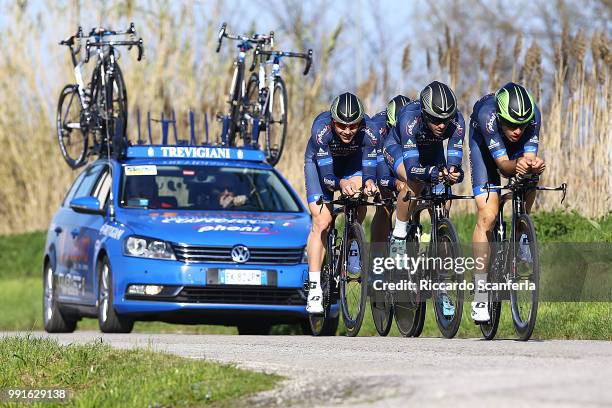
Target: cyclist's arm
x=369 y=153
x=321 y=135
x=495 y=143
x=383 y=173
x=454 y=149
x=530 y=150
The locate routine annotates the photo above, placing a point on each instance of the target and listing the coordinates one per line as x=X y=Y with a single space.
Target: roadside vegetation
x=134 y=378
x=21 y=288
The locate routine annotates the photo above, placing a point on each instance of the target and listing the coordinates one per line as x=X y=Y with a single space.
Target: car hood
x=220 y=228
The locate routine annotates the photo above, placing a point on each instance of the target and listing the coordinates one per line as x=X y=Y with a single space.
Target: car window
x=73 y=188
x=102 y=188
x=205 y=188
x=89 y=180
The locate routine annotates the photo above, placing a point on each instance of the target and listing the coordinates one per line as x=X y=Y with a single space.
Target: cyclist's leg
x=381 y=222
x=414 y=187
x=321 y=221
x=483 y=171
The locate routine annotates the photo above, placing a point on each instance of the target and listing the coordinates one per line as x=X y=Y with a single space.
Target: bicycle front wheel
x=496 y=269
x=526 y=275
x=71 y=136
x=276 y=122
x=354 y=280
x=407 y=302
x=448 y=304
x=381 y=305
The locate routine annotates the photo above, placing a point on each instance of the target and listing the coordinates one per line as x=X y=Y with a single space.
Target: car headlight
x=147 y=248
x=304 y=256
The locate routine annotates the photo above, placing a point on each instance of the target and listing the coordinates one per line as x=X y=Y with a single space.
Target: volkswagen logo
x=240 y=254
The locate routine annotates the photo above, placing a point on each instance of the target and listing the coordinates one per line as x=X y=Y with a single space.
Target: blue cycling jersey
x=421 y=151
x=383 y=173
x=328 y=159
x=487 y=143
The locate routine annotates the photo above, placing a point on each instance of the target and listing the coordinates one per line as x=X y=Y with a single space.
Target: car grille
x=276 y=256
x=260 y=295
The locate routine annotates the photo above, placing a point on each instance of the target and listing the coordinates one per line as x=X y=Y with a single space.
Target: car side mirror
x=87 y=205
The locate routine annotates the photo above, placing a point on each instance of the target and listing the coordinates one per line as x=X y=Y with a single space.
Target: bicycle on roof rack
x=266 y=100
x=515 y=260
x=100 y=107
x=261 y=103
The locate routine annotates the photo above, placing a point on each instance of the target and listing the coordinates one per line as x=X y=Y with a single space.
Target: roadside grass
x=558 y=320
x=21 y=288
x=132 y=378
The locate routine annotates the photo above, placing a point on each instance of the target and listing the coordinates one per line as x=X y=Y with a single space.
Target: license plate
x=242 y=277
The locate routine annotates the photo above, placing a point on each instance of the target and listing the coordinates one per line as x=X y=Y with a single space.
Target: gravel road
x=390 y=372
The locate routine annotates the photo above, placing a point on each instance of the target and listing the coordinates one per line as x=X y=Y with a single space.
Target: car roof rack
x=186 y=149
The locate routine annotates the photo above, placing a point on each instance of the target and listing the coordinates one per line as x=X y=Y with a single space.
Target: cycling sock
x=480 y=295
x=315 y=277
x=400 y=229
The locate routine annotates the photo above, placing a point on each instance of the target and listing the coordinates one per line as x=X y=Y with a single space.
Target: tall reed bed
x=181 y=71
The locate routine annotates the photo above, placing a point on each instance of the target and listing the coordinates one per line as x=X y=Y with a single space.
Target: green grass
x=558 y=320
x=126 y=378
x=21 y=287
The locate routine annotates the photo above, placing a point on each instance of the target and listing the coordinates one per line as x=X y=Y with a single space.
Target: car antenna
x=111 y=201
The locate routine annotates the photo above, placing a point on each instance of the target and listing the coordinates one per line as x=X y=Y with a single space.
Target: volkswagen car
x=189 y=234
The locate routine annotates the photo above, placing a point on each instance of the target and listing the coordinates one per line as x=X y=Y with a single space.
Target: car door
x=75 y=244
x=91 y=224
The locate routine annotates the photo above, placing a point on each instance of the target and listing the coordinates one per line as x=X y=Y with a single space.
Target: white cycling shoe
x=480 y=312
x=315 y=300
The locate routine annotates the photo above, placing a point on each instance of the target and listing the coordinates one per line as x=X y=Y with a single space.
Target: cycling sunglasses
x=511 y=126
x=342 y=126
x=437 y=121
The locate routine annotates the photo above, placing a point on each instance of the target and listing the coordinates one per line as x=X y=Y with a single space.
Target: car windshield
x=205 y=188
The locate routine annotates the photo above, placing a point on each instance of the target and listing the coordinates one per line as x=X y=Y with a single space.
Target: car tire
x=257 y=329
x=53 y=319
x=108 y=320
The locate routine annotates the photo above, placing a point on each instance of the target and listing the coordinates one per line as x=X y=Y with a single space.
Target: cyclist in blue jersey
x=340 y=155
x=414 y=151
x=504 y=138
x=385 y=121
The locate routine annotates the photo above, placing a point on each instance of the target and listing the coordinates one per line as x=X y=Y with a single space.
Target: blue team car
x=189 y=234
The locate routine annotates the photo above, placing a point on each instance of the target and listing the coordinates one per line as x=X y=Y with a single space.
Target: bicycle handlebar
x=255 y=38
x=97 y=31
x=138 y=43
x=307 y=56
x=526 y=183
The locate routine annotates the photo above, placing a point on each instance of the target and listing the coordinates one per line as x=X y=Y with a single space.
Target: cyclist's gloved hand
x=434 y=174
x=454 y=174
x=348 y=187
x=370 y=187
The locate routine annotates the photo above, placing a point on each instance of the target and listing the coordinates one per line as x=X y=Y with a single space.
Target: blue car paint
x=74 y=252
